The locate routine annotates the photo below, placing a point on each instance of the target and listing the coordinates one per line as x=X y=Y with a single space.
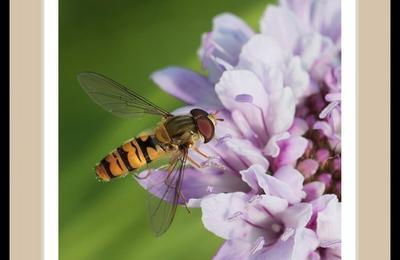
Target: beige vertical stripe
x=25 y=129
x=373 y=129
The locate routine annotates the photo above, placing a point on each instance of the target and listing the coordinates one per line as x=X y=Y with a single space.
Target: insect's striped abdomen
x=130 y=156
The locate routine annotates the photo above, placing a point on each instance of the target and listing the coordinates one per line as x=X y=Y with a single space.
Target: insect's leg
x=184 y=201
x=196 y=149
x=195 y=164
x=207 y=163
x=144 y=177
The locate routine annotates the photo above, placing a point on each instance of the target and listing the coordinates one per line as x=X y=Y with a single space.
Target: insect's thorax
x=177 y=130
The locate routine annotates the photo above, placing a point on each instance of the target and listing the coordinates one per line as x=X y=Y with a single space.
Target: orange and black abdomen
x=130 y=156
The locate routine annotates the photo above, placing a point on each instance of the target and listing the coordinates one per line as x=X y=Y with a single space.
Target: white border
x=349 y=124
x=50 y=196
x=50 y=133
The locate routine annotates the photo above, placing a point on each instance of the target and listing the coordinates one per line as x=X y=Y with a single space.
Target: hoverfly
x=173 y=136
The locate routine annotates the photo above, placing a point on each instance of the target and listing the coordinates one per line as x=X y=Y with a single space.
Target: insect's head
x=205 y=123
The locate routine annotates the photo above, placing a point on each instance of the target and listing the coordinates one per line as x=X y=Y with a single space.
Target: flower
x=268 y=226
x=264 y=228
x=271 y=186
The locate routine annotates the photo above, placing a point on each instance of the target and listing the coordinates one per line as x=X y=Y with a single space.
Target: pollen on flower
x=276 y=227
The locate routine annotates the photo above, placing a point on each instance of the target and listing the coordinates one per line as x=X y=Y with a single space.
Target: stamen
x=328 y=109
x=287 y=234
x=259 y=243
x=234 y=216
x=222 y=63
x=254 y=198
x=211 y=162
x=246 y=98
x=329 y=243
x=223 y=139
x=221 y=49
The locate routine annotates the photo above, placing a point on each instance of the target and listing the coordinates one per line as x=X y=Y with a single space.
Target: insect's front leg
x=196 y=149
x=194 y=163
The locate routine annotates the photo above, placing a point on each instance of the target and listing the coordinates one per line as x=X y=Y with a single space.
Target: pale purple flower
x=310 y=29
x=262 y=228
x=221 y=47
x=269 y=227
x=272 y=184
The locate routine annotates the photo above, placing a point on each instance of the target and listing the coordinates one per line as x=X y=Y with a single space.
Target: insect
x=172 y=138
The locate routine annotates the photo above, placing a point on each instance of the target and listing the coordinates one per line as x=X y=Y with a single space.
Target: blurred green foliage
x=125 y=40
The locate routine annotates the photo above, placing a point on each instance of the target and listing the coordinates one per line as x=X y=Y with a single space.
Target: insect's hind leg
x=184 y=201
x=142 y=178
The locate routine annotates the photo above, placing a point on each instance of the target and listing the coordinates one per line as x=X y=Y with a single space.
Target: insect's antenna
x=214 y=115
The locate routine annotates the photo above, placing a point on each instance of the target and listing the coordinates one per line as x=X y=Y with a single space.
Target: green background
x=127 y=41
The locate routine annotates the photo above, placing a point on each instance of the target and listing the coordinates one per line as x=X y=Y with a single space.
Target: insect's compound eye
x=206 y=128
x=197 y=112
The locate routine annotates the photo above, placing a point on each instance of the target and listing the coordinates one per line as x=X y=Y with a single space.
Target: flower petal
x=324 y=127
x=314 y=190
x=240 y=216
x=222 y=216
x=298 y=246
x=308 y=167
x=249 y=176
x=273 y=80
x=314 y=47
x=260 y=54
x=281 y=24
x=247 y=152
x=333 y=253
x=326 y=18
x=299 y=127
x=290 y=150
x=280 y=111
x=244 y=126
x=273 y=204
x=230 y=33
x=297 y=78
x=301 y=8
x=297 y=216
x=195 y=184
x=328 y=218
x=186 y=85
x=239 y=82
x=283 y=186
x=234 y=250
x=272 y=148
x=223 y=44
x=290 y=176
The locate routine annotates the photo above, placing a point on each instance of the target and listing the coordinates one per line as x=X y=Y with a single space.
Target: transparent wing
x=162 y=209
x=116 y=98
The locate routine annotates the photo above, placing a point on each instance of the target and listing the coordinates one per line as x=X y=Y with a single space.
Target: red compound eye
x=197 y=112
x=206 y=128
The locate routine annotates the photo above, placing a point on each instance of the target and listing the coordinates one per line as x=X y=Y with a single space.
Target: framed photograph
x=199 y=130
